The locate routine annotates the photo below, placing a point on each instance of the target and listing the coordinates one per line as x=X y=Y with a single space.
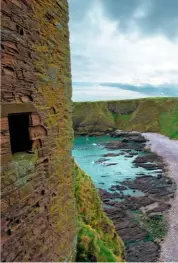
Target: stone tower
x=37 y=203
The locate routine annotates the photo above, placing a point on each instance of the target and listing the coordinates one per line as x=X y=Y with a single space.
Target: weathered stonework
x=37 y=202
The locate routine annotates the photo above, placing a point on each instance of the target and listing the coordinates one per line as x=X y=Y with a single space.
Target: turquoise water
x=88 y=150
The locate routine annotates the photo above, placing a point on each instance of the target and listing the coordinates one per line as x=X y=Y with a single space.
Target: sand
x=168 y=149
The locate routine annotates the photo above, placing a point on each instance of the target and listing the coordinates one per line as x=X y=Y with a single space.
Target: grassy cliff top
x=128 y=100
x=158 y=114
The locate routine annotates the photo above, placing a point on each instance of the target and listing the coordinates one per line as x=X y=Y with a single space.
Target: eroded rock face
x=143 y=115
x=92 y=119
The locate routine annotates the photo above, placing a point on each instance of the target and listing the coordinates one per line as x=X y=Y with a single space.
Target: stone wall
x=37 y=203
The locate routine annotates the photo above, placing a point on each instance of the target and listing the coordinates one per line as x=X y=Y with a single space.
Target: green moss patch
x=169 y=122
x=97 y=238
x=22 y=164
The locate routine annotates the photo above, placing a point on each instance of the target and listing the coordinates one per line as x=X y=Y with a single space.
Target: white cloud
x=94 y=92
x=100 y=53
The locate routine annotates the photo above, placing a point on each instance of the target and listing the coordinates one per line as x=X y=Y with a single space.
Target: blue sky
x=123 y=48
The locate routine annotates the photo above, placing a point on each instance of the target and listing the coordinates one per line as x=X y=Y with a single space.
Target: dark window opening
x=19 y=132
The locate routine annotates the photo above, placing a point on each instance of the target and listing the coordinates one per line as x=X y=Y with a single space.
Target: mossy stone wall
x=38 y=204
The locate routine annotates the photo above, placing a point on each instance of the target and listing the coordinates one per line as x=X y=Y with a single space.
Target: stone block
x=4 y=124
x=26 y=98
x=5 y=143
x=10 y=46
x=8 y=71
x=37 y=132
x=17 y=3
x=5 y=8
x=28 y=75
x=36 y=144
x=5 y=158
x=14 y=197
x=35 y=120
x=19 y=74
x=8 y=59
x=4 y=205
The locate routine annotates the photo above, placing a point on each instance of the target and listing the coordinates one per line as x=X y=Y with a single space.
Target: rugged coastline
x=168 y=149
x=146 y=217
x=140 y=221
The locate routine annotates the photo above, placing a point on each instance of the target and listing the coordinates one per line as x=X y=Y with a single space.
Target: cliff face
x=38 y=205
x=92 y=118
x=145 y=115
x=97 y=238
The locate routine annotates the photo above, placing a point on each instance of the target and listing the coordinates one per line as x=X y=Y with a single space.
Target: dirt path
x=168 y=149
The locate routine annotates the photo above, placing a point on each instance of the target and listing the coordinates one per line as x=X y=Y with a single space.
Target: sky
x=123 y=49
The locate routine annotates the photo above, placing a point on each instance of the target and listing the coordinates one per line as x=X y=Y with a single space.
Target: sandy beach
x=168 y=149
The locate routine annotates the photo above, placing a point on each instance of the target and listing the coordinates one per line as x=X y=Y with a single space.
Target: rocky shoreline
x=168 y=149
x=139 y=220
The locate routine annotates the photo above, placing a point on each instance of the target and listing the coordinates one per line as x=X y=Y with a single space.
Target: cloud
x=118 y=91
x=95 y=92
x=78 y=9
x=149 y=16
x=107 y=46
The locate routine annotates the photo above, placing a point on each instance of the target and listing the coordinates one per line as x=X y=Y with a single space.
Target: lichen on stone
x=23 y=163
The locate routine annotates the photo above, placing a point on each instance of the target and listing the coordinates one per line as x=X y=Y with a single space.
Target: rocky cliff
x=145 y=115
x=94 y=117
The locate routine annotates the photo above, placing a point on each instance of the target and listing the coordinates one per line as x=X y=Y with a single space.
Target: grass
x=97 y=238
x=145 y=115
x=115 y=117
x=169 y=126
x=92 y=117
x=123 y=120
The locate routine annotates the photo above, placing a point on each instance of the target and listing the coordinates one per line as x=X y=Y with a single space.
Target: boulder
x=121 y=133
x=118 y=187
